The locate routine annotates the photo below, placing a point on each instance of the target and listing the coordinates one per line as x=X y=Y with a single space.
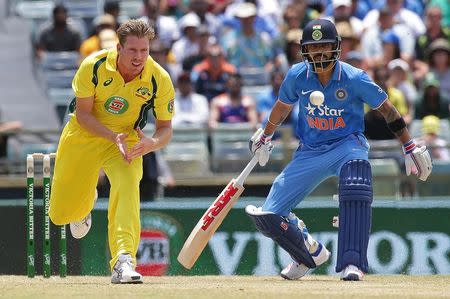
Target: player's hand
x=122 y=145
x=144 y=146
x=261 y=145
x=417 y=160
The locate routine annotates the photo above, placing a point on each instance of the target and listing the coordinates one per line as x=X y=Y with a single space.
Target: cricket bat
x=213 y=217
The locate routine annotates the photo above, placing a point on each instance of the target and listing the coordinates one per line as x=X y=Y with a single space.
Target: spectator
x=191 y=108
x=359 y=8
x=112 y=7
x=7 y=127
x=356 y=59
x=188 y=45
x=445 y=8
x=166 y=27
x=433 y=17
x=372 y=39
x=342 y=12
x=401 y=16
x=399 y=78
x=432 y=102
x=246 y=48
x=430 y=137
x=160 y=54
x=59 y=36
x=292 y=48
x=199 y=8
x=376 y=127
x=439 y=59
x=232 y=106
x=266 y=101
x=349 y=39
x=262 y=23
x=204 y=42
x=92 y=44
x=211 y=74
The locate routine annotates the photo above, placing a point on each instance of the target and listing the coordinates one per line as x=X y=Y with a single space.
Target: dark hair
x=111 y=5
x=59 y=8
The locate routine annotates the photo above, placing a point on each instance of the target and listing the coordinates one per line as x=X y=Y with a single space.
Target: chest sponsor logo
x=107 y=82
x=324 y=118
x=143 y=93
x=116 y=105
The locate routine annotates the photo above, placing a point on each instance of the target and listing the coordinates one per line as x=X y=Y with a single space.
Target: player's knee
x=355 y=181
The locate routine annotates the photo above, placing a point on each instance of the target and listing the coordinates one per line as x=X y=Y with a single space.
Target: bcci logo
x=317 y=35
x=116 y=105
x=340 y=94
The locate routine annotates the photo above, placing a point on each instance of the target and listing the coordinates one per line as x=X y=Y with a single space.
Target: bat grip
x=244 y=174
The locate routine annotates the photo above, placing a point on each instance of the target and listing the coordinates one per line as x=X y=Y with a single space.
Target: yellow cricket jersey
x=123 y=106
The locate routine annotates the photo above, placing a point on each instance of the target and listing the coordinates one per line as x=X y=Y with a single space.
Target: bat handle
x=244 y=174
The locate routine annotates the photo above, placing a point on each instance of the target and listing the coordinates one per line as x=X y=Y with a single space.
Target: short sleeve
x=369 y=91
x=287 y=92
x=82 y=81
x=164 y=101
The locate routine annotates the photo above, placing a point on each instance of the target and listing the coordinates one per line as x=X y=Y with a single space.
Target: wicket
x=30 y=229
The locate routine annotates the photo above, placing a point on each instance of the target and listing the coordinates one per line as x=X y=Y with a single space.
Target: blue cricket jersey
x=342 y=111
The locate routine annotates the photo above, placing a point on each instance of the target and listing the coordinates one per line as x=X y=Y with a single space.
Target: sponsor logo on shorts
x=116 y=105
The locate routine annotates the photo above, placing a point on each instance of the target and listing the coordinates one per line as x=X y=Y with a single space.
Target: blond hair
x=136 y=28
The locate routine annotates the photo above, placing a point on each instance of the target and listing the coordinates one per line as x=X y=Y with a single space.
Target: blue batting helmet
x=320 y=31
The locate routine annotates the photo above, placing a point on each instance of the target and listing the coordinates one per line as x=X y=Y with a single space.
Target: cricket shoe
x=79 y=229
x=319 y=253
x=352 y=273
x=123 y=271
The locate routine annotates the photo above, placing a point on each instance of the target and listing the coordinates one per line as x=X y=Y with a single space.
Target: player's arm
x=277 y=116
x=395 y=121
x=88 y=121
x=417 y=159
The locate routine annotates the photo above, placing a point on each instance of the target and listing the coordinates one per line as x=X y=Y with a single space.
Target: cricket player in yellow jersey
x=114 y=90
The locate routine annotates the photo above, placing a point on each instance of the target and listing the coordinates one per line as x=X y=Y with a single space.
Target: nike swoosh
x=306 y=92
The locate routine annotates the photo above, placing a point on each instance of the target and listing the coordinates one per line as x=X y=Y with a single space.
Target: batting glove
x=417 y=160
x=261 y=145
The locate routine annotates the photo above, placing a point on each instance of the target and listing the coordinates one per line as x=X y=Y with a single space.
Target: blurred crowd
x=228 y=58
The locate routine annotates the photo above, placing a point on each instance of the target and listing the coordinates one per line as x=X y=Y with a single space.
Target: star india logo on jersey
x=322 y=117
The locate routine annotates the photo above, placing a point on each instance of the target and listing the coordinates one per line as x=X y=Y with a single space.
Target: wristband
x=397 y=125
x=408 y=147
x=268 y=120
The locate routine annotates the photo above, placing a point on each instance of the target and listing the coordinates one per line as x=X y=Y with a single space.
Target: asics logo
x=306 y=92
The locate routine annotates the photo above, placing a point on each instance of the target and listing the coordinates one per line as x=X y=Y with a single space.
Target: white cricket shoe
x=79 y=229
x=296 y=271
x=351 y=273
x=319 y=253
x=123 y=271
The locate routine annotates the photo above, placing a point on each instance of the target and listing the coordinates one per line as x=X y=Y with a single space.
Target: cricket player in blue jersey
x=331 y=96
